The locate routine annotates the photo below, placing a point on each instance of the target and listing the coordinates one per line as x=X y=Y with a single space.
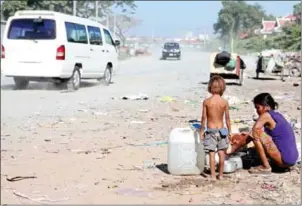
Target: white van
x=47 y=45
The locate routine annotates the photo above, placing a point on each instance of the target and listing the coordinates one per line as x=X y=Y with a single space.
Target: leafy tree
x=87 y=8
x=84 y=8
x=238 y=16
x=297 y=12
x=123 y=23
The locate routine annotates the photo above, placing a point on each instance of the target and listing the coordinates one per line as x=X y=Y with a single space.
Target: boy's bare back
x=215 y=107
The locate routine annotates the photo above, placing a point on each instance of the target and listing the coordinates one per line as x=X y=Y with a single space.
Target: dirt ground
x=96 y=156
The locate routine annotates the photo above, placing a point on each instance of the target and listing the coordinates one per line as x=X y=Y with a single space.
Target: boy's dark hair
x=265 y=99
x=216 y=85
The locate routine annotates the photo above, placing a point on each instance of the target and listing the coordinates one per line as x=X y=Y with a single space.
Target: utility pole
x=74 y=7
x=107 y=21
x=96 y=10
x=114 y=26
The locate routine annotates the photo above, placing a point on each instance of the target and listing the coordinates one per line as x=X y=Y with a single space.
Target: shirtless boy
x=216 y=137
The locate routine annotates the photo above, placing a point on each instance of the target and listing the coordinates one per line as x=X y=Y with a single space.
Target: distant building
x=203 y=37
x=269 y=27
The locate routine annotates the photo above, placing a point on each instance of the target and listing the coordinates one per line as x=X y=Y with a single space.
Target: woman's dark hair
x=266 y=99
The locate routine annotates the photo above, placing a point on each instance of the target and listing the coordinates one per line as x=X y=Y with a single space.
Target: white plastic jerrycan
x=186 y=154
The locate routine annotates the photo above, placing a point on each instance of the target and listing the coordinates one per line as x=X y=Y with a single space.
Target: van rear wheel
x=75 y=80
x=21 y=82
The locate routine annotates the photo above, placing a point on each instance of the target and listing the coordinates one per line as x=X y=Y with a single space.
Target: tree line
x=238 y=17
x=85 y=9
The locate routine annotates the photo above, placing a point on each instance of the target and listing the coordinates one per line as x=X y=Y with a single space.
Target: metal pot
x=238 y=161
x=229 y=166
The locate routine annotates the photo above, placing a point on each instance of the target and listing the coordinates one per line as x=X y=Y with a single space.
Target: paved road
x=148 y=75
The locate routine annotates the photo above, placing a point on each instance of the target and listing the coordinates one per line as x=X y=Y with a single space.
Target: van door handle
x=91 y=49
x=103 y=50
x=107 y=51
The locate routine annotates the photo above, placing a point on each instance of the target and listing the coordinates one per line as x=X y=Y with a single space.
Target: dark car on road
x=171 y=50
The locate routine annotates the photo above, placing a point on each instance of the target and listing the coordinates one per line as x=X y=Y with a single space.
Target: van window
x=95 y=36
x=31 y=29
x=76 y=33
x=108 y=37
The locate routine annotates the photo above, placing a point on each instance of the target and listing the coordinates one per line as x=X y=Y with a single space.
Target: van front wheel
x=75 y=80
x=21 y=83
x=106 y=79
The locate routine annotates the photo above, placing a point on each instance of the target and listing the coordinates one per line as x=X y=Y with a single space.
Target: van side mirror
x=117 y=43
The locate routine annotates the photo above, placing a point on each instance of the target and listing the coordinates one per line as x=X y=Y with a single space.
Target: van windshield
x=32 y=29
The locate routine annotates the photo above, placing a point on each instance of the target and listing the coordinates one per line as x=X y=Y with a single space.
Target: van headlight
x=164 y=50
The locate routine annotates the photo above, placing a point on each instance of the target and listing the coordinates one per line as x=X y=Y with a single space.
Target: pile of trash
x=226 y=60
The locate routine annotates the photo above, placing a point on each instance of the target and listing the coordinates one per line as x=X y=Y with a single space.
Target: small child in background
x=216 y=137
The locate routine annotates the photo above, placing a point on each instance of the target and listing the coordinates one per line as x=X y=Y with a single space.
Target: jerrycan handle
x=185 y=130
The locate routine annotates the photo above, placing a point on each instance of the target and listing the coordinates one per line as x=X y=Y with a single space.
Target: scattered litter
x=297 y=125
x=143 y=110
x=232 y=99
x=233 y=108
x=167 y=99
x=238 y=121
x=82 y=110
x=174 y=109
x=113 y=186
x=191 y=102
x=37 y=200
x=100 y=113
x=269 y=187
x=53 y=152
x=137 y=122
x=139 y=96
x=133 y=192
x=148 y=164
x=296 y=84
x=19 y=178
x=150 y=144
x=287 y=97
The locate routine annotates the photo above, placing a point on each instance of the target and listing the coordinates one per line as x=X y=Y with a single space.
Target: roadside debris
x=167 y=99
x=150 y=144
x=37 y=200
x=233 y=108
x=100 y=113
x=137 y=122
x=139 y=96
x=296 y=84
x=148 y=164
x=191 y=102
x=19 y=178
x=133 y=192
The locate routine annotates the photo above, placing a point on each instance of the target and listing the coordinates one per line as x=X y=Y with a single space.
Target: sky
x=175 y=18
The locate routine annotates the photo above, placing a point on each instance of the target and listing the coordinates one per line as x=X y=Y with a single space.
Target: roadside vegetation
x=238 y=17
